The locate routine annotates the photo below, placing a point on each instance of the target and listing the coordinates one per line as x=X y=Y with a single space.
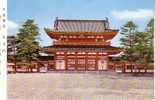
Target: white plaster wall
x=102 y=65
x=60 y=64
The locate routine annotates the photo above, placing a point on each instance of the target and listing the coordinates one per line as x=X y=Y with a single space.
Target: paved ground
x=79 y=86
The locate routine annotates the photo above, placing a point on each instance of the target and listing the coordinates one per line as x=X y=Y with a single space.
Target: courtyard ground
x=79 y=86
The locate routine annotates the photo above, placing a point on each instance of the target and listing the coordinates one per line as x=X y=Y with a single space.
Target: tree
x=141 y=47
x=150 y=32
x=11 y=50
x=28 y=47
x=128 y=41
x=144 y=45
x=10 y=47
x=138 y=45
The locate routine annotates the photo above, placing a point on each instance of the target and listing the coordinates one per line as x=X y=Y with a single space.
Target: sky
x=44 y=12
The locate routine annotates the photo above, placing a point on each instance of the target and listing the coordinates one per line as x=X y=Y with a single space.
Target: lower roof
x=82 y=46
x=110 y=49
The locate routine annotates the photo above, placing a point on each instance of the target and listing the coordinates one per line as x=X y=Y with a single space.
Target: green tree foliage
x=11 y=46
x=138 y=45
x=128 y=41
x=141 y=47
x=28 y=47
x=11 y=50
x=150 y=32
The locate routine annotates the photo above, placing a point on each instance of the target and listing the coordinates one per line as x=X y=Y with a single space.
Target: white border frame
x=3 y=49
x=154 y=46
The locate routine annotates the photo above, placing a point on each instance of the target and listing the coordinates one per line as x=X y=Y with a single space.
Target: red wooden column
x=55 y=60
x=96 y=61
x=48 y=65
x=66 y=61
x=105 y=58
x=76 y=61
x=86 y=61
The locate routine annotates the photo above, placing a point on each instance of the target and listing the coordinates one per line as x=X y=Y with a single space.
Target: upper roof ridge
x=99 y=20
x=81 y=25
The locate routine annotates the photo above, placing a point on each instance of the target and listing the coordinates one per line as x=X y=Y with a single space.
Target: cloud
x=133 y=14
x=11 y=25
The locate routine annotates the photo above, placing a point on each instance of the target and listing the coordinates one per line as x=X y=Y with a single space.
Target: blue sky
x=44 y=13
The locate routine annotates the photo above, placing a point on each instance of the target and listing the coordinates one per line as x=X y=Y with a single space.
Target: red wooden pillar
x=96 y=61
x=86 y=61
x=76 y=61
x=48 y=65
x=55 y=60
x=66 y=61
x=131 y=67
x=125 y=67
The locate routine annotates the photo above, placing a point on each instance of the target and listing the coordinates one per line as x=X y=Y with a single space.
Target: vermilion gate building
x=81 y=44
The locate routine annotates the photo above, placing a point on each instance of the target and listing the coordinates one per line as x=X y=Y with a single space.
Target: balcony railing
x=82 y=43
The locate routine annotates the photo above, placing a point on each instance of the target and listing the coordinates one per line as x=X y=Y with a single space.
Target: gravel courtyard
x=79 y=86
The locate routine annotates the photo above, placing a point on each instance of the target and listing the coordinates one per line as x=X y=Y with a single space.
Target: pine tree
x=11 y=50
x=28 y=47
x=128 y=41
x=150 y=35
x=138 y=45
x=144 y=45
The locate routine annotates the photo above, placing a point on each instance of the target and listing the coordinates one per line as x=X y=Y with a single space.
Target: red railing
x=129 y=68
x=81 y=43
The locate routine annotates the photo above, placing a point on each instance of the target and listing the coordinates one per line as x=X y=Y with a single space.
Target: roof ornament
x=106 y=18
x=56 y=24
x=57 y=18
x=107 y=23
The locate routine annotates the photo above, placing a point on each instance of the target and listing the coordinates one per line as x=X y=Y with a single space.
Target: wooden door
x=60 y=64
x=71 y=63
x=81 y=64
x=102 y=65
x=91 y=64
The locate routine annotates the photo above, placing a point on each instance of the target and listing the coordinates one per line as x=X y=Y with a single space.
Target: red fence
x=131 y=68
x=119 y=67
